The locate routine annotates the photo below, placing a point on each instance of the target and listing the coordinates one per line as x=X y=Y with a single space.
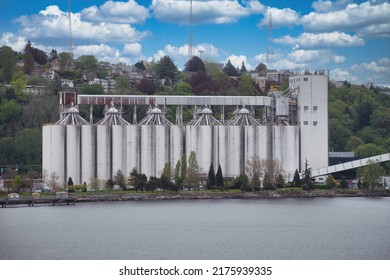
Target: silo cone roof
x=71 y=116
x=204 y=116
x=113 y=117
x=242 y=117
x=154 y=117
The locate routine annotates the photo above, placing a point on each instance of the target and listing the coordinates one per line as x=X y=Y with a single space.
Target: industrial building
x=292 y=128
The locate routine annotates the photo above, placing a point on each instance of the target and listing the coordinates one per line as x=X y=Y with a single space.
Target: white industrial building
x=293 y=128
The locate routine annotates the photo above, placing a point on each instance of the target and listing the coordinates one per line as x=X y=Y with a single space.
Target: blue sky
x=349 y=38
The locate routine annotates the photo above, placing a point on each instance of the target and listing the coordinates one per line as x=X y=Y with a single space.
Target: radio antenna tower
x=269 y=57
x=70 y=42
x=191 y=37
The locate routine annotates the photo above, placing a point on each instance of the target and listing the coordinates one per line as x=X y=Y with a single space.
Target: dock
x=31 y=201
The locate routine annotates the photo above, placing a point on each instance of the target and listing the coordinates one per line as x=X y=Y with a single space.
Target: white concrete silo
x=88 y=153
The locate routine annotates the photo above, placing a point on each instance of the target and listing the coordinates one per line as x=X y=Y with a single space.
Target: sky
x=349 y=38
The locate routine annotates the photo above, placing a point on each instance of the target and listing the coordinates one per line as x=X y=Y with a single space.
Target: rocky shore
x=227 y=195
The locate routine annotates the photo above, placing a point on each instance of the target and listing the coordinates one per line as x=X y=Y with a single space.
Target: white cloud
x=321 y=40
x=17 y=43
x=280 y=17
x=339 y=74
x=237 y=61
x=102 y=52
x=52 y=24
x=316 y=56
x=207 y=50
x=212 y=11
x=377 y=30
x=288 y=65
x=322 y=6
x=118 y=12
x=353 y=18
x=376 y=71
x=133 y=49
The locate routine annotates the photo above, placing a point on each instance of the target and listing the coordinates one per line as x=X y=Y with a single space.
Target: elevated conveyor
x=349 y=165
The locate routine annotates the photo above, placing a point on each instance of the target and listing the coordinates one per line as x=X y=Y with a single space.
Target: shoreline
x=225 y=195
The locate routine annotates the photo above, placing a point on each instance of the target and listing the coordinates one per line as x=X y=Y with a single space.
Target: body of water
x=319 y=228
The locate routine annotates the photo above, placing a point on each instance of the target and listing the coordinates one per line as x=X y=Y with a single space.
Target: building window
x=305 y=122
x=305 y=79
x=306 y=108
x=315 y=108
x=315 y=122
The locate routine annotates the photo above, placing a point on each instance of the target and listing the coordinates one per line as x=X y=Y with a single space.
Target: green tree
x=267 y=182
x=297 y=180
x=17 y=184
x=242 y=182
x=246 y=86
x=353 y=143
x=166 y=177
x=307 y=181
x=193 y=172
x=182 y=88
x=28 y=62
x=146 y=86
x=195 y=64
x=95 y=184
x=243 y=68
x=230 y=70
x=70 y=181
x=330 y=182
x=177 y=176
x=368 y=150
x=93 y=89
x=28 y=146
x=119 y=179
x=212 y=67
x=110 y=184
x=153 y=184
x=7 y=63
x=371 y=173
x=261 y=67
x=211 y=181
x=122 y=84
x=140 y=66
x=7 y=151
x=53 y=55
x=10 y=113
x=87 y=62
x=65 y=61
x=280 y=183
x=219 y=178
x=166 y=68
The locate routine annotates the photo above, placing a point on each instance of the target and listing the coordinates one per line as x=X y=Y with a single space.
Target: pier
x=31 y=201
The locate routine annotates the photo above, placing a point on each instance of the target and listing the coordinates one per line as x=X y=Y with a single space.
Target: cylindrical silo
x=148 y=153
x=88 y=153
x=235 y=151
x=161 y=145
x=118 y=148
x=176 y=144
x=292 y=158
x=199 y=138
x=104 y=152
x=249 y=144
x=262 y=142
x=220 y=146
x=279 y=150
x=133 y=142
x=54 y=153
x=73 y=152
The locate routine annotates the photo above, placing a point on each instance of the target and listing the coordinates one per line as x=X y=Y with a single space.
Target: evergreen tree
x=256 y=182
x=219 y=178
x=195 y=64
x=166 y=68
x=140 y=66
x=7 y=64
x=307 y=181
x=242 y=182
x=243 y=68
x=280 y=183
x=297 y=180
x=211 y=181
x=70 y=181
x=28 y=63
x=267 y=182
x=230 y=70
